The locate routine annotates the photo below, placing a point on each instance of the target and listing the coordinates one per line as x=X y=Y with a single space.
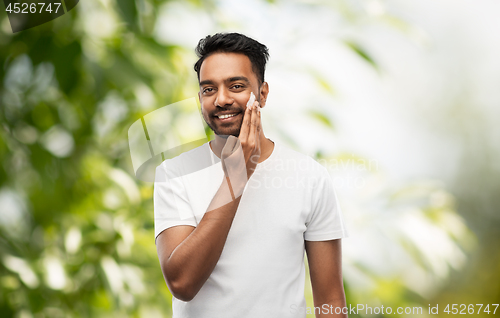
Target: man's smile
x=227 y=117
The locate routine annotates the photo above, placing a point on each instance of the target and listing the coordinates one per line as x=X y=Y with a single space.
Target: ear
x=264 y=90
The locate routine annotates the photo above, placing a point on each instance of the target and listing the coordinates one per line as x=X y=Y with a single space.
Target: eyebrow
x=238 y=78
x=229 y=80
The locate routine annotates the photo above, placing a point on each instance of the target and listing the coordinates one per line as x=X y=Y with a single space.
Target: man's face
x=226 y=80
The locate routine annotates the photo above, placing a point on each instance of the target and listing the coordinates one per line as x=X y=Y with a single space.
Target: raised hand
x=250 y=136
x=240 y=155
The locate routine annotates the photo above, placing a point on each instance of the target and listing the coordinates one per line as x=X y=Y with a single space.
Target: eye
x=238 y=86
x=207 y=90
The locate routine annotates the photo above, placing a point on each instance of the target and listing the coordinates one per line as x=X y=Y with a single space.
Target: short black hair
x=233 y=43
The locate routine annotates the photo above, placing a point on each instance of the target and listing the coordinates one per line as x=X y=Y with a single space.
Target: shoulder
x=189 y=160
x=301 y=161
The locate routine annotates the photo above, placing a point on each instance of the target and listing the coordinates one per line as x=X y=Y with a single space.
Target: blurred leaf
x=128 y=11
x=321 y=117
x=362 y=53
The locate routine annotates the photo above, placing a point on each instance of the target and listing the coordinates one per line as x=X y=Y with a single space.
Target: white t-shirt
x=261 y=272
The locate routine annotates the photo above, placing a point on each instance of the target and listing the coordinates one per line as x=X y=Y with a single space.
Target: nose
x=223 y=98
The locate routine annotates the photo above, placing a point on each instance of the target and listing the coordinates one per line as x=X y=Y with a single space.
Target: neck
x=266 y=146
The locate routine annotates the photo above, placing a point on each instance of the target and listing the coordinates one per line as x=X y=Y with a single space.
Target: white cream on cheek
x=251 y=100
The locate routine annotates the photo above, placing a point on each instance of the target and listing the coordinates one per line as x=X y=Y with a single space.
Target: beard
x=225 y=130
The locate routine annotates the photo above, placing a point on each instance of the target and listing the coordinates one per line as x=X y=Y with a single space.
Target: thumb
x=232 y=143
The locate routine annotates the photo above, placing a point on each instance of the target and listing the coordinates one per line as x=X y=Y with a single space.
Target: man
x=234 y=216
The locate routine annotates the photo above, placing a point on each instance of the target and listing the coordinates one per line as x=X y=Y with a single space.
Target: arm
x=325 y=266
x=187 y=254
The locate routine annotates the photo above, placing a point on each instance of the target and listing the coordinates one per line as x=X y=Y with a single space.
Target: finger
x=252 y=140
x=229 y=147
x=245 y=125
x=258 y=127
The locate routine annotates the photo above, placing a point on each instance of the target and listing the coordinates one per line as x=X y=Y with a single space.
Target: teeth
x=226 y=116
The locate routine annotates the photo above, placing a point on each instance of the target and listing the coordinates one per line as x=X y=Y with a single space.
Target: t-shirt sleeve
x=171 y=204
x=325 y=222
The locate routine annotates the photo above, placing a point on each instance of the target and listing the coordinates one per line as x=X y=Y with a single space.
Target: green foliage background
x=61 y=86
x=83 y=213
